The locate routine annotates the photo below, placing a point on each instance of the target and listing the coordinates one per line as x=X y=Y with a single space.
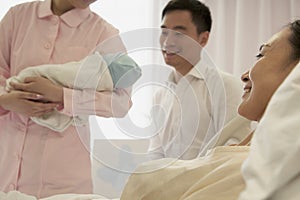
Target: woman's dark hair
x=295 y=39
x=201 y=16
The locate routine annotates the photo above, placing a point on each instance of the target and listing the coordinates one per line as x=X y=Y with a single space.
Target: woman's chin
x=244 y=110
x=248 y=113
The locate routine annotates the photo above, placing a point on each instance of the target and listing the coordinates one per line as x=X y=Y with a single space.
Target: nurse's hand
x=40 y=85
x=25 y=103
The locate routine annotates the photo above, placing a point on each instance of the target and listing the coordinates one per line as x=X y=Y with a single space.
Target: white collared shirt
x=193 y=111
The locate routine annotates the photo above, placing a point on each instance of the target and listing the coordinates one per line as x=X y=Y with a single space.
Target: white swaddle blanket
x=90 y=73
x=215 y=176
x=15 y=195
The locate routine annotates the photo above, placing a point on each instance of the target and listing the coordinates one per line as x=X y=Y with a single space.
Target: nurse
x=34 y=159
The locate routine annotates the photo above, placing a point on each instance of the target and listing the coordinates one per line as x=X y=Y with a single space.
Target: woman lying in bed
x=217 y=175
x=269 y=168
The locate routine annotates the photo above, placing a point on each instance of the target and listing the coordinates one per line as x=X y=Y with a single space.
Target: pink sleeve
x=104 y=104
x=6 y=27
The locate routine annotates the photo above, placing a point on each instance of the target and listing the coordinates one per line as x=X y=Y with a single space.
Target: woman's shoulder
x=26 y=6
x=99 y=20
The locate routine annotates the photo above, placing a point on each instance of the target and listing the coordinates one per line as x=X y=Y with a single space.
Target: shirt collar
x=73 y=17
x=195 y=72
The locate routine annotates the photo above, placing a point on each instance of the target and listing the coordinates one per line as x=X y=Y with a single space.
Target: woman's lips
x=247 y=90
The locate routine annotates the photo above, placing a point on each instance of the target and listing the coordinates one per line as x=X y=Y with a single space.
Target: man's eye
x=178 y=33
x=164 y=33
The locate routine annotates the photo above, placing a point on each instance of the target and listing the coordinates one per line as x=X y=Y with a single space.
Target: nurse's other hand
x=43 y=86
x=25 y=103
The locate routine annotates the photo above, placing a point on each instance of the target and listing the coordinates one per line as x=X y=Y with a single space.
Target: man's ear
x=203 y=38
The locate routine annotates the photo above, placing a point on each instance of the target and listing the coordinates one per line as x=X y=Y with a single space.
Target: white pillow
x=273 y=162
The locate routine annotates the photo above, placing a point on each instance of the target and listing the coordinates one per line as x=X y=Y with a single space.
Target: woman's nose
x=245 y=76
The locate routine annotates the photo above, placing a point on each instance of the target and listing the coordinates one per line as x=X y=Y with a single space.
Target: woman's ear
x=203 y=38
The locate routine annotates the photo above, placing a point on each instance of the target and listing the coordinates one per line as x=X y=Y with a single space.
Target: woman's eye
x=259 y=56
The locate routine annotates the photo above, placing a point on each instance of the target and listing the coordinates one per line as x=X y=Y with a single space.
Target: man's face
x=181 y=44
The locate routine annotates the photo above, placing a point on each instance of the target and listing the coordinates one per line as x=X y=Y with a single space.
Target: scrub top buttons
x=55 y=21
x=18 y=157
x=47 y=46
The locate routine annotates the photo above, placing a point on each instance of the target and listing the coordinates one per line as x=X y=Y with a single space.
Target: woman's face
x=271 y=68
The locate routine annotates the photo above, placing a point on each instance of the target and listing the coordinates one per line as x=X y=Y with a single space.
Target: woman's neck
x=59 y=7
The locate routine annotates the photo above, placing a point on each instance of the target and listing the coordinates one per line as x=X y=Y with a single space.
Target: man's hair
x=201 y=16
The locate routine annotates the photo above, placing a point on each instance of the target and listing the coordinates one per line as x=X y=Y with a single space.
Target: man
x=199 y=99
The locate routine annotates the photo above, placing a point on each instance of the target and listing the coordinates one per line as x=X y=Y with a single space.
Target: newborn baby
x=94 y=72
